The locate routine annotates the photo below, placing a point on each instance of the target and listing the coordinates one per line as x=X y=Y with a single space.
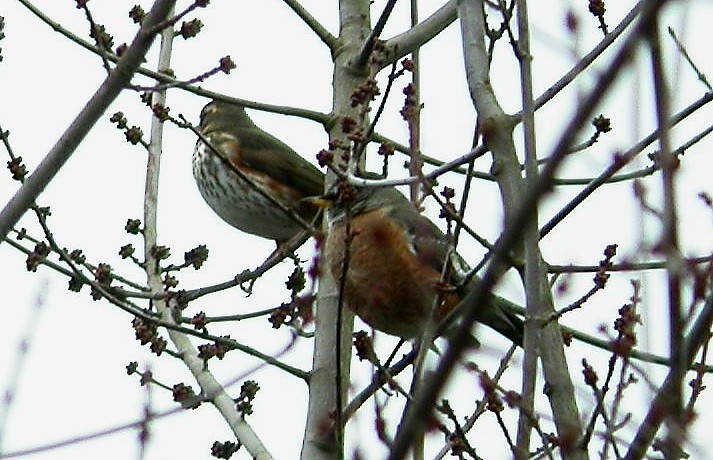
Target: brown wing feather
x=286 y=166
x=431 y=246
x=427 y=239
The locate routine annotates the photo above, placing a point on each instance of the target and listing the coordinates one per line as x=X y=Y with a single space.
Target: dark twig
x=87 y=117
x=368 y=46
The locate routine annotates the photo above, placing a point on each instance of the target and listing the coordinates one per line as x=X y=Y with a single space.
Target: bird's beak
x=325 y=201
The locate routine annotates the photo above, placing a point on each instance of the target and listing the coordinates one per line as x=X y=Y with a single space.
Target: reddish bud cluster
x=132 y=368
x=147 y=332
x=625 y=325
x=185 y=395
x=408 y=64
x=248 y=391
x=296 y=281
x=602 y=124
x=211 y=350
x=597 y=8
x=75 y=284
x=169 y=281
x=196 y=256
x=299 y=308
x=137 y=14
x=410 y=107
x=127 y=251
x=103 y=39
x=346 y=192
x=121 y=49
x=226 y=64
x=133 y=226
x=492 y=398
x=365 y=93
x=281 y=316
x=160 y=252
x=199 y=320
x=119 y=119
x=325 y=157
x=17 y=168
x=224 y=450
x=349 y=124
x=363 y=346
x=103 y=277
x=590 y=375
x=77 y=256
x=144 y=330
x=386 y=149
x=457 y=444
x=448 y=193
x=134 y=135
x=37 y=256
x=601 y=277
x=377 y=56
x=160 y=112
x=190 y=29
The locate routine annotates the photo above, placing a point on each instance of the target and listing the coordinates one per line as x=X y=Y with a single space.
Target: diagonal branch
x=323 y=34
x=375 y=32
x=699 y=334
x=430 y=391
x=187 y=351
x=167 y=80
x=85 y=120
x=588 y=59
x=405 y=43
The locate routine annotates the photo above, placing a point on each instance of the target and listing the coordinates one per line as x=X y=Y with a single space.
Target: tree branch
x=405 y=43
x=85 y=120
x=323 y=34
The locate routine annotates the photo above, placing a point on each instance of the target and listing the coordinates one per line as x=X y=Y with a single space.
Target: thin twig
x=87 y=117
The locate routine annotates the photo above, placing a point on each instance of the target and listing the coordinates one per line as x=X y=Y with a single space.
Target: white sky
x=74 y=380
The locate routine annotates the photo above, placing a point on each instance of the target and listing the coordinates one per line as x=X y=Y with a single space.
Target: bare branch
x=401 y=45
x=323 y=34
x=85 y=120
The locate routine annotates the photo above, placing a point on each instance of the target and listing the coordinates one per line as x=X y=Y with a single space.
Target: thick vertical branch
x=533 y=274
x=497 y=130
x=210 y=387
x=415 y=163
x=330 y=369
x=673 y=407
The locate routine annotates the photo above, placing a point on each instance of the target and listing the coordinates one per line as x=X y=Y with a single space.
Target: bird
x=395 y=257
x=232 y=148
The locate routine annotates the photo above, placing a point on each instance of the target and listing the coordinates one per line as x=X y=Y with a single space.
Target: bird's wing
x=427 y=240
x=431 y=245
x=286 y=166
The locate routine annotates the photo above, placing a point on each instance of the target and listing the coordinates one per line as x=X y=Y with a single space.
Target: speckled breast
x=236 y=201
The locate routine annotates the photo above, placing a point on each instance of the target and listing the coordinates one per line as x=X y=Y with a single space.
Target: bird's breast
x=386 y=283
x=238 y=202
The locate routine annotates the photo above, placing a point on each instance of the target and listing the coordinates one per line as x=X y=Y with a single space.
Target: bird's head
x=220 y=115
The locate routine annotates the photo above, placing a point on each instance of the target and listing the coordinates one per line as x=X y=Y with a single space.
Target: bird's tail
x=500 y=315
x=492 y=310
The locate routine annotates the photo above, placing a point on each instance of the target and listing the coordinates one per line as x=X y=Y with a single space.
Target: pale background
x=74 y=382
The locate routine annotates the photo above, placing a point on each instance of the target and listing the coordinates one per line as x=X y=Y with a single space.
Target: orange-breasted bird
x=239 y=146
x=393 y=272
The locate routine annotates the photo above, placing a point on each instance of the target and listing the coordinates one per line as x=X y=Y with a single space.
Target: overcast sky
x=74 y=381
